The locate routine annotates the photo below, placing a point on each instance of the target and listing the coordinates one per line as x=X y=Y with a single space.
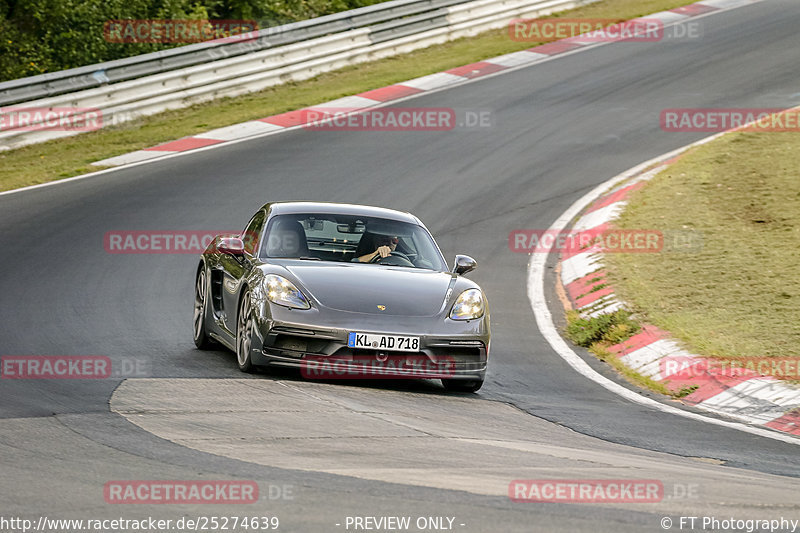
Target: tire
x=462 y=385
x=244 y=334
x=201 y=338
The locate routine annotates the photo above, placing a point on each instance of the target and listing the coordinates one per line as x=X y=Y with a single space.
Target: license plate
x=397 y=343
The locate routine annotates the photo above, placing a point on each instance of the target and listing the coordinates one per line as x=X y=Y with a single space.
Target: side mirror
x=464 y=264
x=231 y=245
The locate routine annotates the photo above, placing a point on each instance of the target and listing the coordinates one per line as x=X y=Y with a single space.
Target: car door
x=236 y=268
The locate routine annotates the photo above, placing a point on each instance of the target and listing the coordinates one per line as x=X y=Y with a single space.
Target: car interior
x=341 y=239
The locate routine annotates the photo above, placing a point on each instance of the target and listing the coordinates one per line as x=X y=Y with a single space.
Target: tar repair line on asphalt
x=544 y=319
x=721 y=6
x=536 y=267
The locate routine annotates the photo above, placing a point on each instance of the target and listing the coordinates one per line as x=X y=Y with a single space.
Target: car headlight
x=281 y=291
x=469 y=305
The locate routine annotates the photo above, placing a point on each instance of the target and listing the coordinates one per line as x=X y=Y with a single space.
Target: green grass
x=739 y=295
x=608 y=329
x=72 y=156
x=597 y=334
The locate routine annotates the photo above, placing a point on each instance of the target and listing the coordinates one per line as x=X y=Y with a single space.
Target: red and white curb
x=384 y=95
x=744 y=395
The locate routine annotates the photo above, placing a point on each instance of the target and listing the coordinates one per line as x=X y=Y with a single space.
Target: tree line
x=39 y=36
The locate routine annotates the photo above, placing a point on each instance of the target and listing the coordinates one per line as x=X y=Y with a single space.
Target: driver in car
x=386 y=245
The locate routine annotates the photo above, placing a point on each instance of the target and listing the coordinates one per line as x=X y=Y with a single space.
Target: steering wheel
x=399 y=255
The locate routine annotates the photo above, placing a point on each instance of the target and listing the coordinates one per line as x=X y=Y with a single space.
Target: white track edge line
x=544 y=319
x=384 y=104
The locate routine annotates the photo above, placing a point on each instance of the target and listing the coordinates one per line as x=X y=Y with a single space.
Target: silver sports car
x=342 y=291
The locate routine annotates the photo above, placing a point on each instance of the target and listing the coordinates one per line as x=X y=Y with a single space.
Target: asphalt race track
x=379 y=449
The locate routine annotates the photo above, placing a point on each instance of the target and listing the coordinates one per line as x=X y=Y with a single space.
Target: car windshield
x=349 y=238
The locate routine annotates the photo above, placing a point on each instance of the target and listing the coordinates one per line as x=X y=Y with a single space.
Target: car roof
x=283 y=208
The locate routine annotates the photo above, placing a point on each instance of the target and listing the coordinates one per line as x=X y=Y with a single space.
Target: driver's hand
x=384 y=251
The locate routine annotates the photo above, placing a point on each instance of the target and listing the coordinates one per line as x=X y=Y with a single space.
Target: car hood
x=366 y=288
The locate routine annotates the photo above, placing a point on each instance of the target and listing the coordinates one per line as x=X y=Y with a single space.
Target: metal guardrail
x=91 y=76
x=129 y=88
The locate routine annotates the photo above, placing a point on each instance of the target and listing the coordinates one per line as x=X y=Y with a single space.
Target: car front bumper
x=458 y=351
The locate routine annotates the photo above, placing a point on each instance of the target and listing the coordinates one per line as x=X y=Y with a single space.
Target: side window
x=252 y=232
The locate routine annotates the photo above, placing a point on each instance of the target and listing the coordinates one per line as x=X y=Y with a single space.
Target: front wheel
x=244 y=334
x=462 y=385
x=201 y=338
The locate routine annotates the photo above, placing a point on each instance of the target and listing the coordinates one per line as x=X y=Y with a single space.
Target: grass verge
x=736 y=297
x=71 y=156
x=597 y=334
